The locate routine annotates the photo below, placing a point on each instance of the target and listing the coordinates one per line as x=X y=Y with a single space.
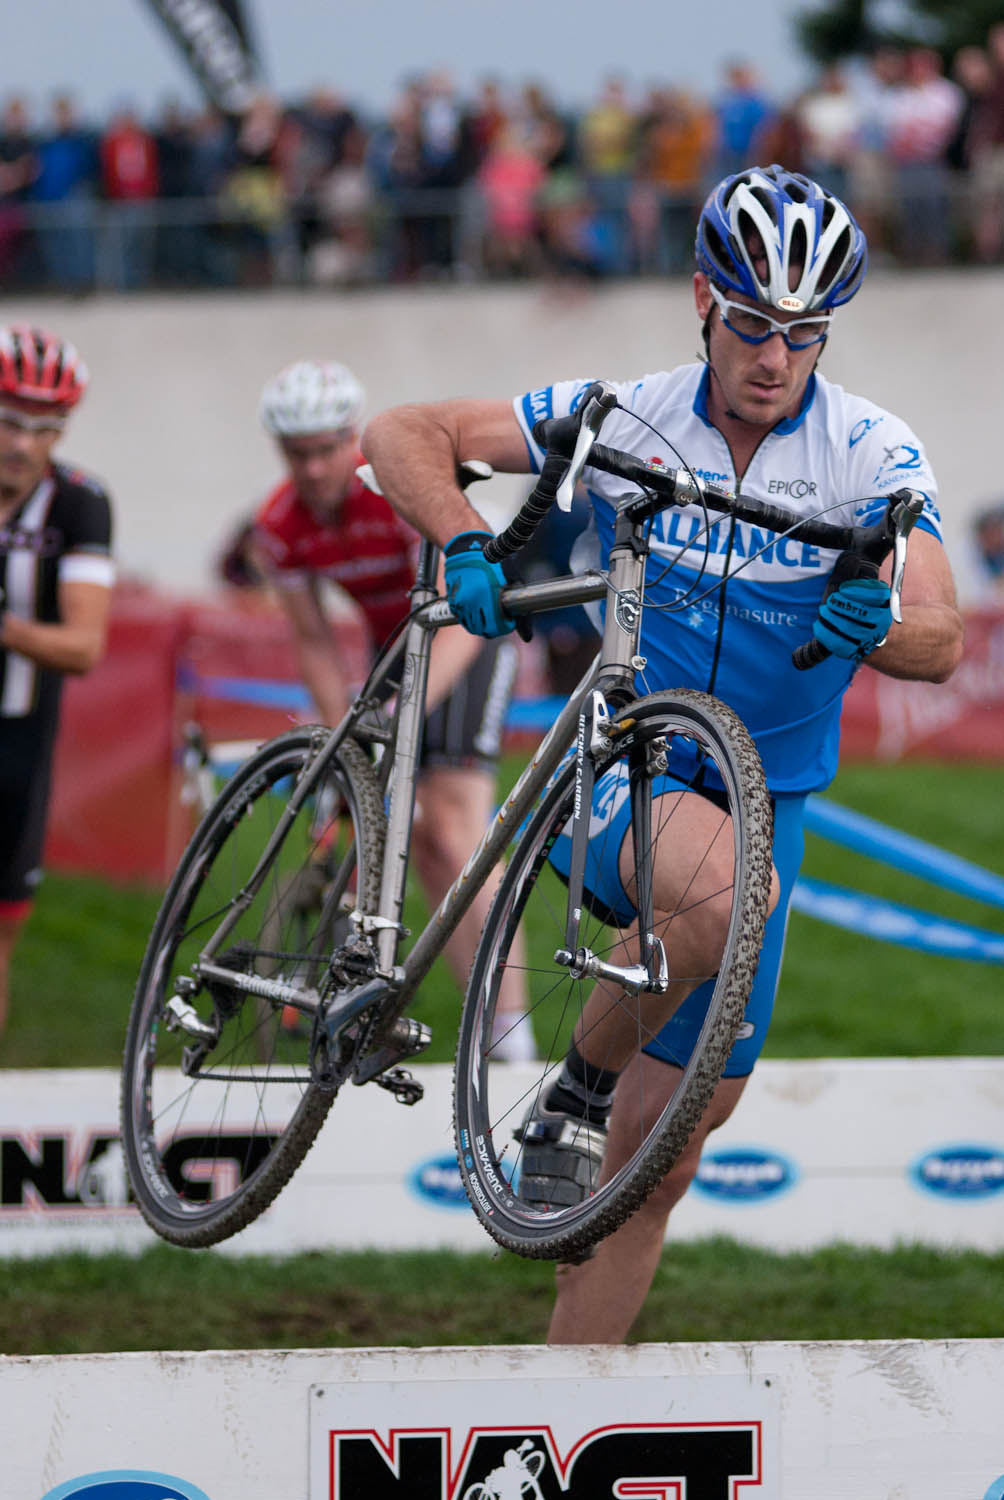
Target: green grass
x=711 y=1291
x=846 y=996
x=840 y=996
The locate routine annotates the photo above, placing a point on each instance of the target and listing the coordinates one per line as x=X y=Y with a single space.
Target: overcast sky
x=107 y=51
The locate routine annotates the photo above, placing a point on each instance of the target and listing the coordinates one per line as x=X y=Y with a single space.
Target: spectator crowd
x=504 y=184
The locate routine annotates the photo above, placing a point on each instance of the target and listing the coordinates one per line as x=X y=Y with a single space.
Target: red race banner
x=887 y=719
x=230 y=668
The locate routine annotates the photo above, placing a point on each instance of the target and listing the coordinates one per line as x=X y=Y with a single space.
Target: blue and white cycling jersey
x=840 y=455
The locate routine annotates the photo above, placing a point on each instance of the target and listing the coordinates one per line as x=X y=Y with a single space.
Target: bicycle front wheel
x=678 y=747
x=219 y=1099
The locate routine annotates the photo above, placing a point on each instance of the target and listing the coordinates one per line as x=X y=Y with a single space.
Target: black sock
x=583 y=1090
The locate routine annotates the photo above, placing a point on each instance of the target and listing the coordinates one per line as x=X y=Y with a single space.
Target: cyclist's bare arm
x=415 y=451
x=76 y=642
x=928 y=645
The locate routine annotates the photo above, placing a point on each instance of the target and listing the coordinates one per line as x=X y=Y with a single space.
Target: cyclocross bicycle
x=288 y=901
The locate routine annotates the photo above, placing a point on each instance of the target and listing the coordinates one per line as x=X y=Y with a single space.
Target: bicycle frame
x=609 y=679
x=610 y=676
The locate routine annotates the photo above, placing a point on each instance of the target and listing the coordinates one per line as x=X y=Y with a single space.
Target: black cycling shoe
x=561 y=1157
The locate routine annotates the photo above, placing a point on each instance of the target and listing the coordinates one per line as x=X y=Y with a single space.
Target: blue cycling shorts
x=609 y=825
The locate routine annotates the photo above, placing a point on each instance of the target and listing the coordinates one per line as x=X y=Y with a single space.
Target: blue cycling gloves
x=855 y=618
x=474 y=585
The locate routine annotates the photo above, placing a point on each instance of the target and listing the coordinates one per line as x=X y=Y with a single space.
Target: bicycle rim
x=526 y=928
x=213 y=1130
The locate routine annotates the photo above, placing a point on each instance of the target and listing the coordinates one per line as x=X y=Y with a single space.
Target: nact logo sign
x=438 y=1181
x=961 y=1172
x=126 y=1484
x=744 y=1175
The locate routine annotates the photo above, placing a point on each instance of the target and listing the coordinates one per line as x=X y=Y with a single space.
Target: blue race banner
x=892 y=923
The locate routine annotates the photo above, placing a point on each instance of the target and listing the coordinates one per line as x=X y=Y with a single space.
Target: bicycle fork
x=597 y=732
x=651 y=974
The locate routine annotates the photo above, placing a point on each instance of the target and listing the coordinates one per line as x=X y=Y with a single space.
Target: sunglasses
x=755 y=327
x=24 y=422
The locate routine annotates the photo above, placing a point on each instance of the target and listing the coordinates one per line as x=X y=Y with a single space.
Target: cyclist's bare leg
x=597 y=1302
x=455 y=806
x=692 y=876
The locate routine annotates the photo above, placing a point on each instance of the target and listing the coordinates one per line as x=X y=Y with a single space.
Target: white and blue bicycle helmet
x=311 y=396
x=816 y=254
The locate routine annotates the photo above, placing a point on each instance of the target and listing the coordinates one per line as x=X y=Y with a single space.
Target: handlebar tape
x=530 y=514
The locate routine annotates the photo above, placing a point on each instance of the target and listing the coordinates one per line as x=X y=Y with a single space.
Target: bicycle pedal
x=399 y=1082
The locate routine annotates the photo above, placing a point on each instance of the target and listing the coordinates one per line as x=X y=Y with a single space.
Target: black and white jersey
x=61 y=533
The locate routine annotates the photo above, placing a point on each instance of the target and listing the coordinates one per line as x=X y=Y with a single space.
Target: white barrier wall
x=837 y=1421
x=873 y=1152
x=171 y=422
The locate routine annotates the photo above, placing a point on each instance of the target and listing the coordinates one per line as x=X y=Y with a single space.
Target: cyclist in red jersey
x=323 y=527
x=56 y=577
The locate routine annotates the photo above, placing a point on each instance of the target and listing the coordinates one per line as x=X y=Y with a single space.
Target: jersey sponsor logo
x=797 y=489
x=125 y=1484
x=897 y=461
x=538 y=405
x=713 y=476
x=860 y=428
x=704 y=613
x=688 y=530
x=46 y=541
x=872 y=511
x=965 y=1172
x=744 y=1175
x=438 y=1181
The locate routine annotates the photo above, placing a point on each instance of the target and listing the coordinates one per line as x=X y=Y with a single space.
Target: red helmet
x=37 y=366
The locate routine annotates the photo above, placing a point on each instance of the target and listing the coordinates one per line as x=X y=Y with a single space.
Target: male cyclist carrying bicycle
x=323 y=527
x=776 y=255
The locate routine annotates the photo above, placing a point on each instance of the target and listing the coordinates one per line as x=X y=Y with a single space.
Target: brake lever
x=597 y=408
x=900 y=520
x=905 y=515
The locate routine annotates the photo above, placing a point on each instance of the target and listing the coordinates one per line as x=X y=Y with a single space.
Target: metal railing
x=86 y=243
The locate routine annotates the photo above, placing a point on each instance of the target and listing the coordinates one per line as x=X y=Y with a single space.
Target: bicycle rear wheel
x=219 y=1100
x=657 y=738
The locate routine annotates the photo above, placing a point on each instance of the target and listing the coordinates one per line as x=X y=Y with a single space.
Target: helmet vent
x=764 y=199
x=717 y=251
x=836 y=259
x=749 y=234
x=730 y=190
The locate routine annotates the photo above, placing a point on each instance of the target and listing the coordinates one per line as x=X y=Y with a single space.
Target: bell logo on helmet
x=782 y=240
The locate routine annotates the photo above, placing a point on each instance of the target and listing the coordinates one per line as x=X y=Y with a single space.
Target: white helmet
x=312 y=396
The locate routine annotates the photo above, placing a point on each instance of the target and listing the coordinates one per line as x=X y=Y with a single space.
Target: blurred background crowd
x=503 y=184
